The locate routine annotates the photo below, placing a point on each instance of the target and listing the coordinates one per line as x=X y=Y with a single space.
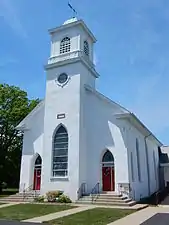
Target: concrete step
x=110 y=193
x=114 y=200
x=19 y=197
x=103 y=201
x=97 y=198
x=101 y=196
x=131 y=203
x=27 y=194
x=107 y=199
x=16 y=200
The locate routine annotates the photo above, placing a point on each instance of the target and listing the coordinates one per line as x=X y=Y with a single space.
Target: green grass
x=97 y=216
x=26 y=211
x=7 y=192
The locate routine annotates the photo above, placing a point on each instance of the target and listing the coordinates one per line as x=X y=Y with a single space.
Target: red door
x=106 y=175
x=112 y=179
x=108 y=178
x=37 y=179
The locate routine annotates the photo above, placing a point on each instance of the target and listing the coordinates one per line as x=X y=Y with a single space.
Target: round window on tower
x=62 y=79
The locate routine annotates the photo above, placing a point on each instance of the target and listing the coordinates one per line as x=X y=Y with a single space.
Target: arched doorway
x=37 y=173
x=108 y=171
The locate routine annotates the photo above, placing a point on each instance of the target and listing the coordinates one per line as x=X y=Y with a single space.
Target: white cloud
x=10 y=14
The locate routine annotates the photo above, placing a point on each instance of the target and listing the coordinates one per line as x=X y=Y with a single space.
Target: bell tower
x=72 y=42
x=70 y=67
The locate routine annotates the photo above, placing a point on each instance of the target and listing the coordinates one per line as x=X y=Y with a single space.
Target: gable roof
x=126 y=114
x=23 y=125
x=106 y=99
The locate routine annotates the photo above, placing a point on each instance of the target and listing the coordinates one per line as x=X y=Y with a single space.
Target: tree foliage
x=14 y=106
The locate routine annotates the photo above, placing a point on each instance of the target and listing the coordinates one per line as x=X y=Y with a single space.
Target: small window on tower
x=62 y=78
x=86 y=48
x=65 y=45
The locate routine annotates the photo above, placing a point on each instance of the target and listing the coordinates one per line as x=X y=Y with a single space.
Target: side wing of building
x=134 y=147
x=33 y=128
x=143 y=160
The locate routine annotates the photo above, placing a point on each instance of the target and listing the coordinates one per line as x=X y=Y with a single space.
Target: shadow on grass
x=8 y=191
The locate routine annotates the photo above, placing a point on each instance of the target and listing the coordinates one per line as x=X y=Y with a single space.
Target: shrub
x=39 y=199
x=53 y=195
x=4 y=185
x=64 y=199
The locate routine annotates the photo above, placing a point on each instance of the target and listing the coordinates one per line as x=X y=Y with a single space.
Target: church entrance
x=37 y=173
x=108 y=172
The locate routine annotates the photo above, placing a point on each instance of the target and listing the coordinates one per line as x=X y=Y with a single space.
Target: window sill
x=59 y=179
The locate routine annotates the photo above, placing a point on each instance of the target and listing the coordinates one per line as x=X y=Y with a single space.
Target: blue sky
x=131 y=54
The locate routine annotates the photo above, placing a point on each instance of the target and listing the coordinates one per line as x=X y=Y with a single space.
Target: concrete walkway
x=8 y=204
x=139 y=217
x=81 y=208
x=134 y=207
x=57 y=215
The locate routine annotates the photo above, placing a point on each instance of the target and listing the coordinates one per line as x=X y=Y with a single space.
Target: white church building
x=77 y=137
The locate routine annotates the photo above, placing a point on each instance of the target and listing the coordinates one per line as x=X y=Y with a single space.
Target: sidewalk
x=81 y=208
x=134 y=207
x=56 y=215
x=8 y=204
x=141 y=216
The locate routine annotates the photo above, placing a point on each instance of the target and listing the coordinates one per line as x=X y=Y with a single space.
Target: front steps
x=20 y=197
x=107 y=199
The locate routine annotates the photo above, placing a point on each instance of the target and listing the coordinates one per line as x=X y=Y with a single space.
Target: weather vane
x=74 y=11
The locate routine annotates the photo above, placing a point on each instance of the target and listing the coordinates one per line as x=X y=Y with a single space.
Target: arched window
x=60 y=153
x=154 y=162
x=138 y=159
x=132 y=167
x=65 y=45
x=108 y=157
x=86 y=48
x=38 y=160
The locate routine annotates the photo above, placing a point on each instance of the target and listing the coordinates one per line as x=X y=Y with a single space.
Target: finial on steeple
x=73 y=10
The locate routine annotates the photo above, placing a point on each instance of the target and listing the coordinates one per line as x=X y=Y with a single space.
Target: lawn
x=101 y=216
x=26 y=211
x=7 y=192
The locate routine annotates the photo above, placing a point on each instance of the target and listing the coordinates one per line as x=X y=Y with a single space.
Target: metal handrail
x=95 y=192
x=30 y=188
x=81 y=191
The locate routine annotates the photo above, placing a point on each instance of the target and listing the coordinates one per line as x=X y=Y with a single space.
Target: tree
x=14 y=106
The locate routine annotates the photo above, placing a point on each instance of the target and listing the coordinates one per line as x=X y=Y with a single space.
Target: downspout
x=148 y=171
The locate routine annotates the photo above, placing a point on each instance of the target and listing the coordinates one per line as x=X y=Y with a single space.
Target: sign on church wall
x=61 y=116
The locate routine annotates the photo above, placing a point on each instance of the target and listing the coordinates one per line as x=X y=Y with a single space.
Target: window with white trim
x=132 y=168
x=86 y=48
x=65 y=45
x=138 y=159
x=60 y=153
x=154 y=162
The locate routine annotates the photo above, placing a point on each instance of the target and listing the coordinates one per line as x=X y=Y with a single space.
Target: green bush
x=64 y=199
x=53 y=195
x=39 y=199
x=4 y=185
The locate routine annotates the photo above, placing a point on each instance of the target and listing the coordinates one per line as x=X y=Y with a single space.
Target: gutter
x=132 y=115
x=150 y=133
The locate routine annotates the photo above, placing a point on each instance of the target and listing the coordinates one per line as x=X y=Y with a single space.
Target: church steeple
x=72 y=40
